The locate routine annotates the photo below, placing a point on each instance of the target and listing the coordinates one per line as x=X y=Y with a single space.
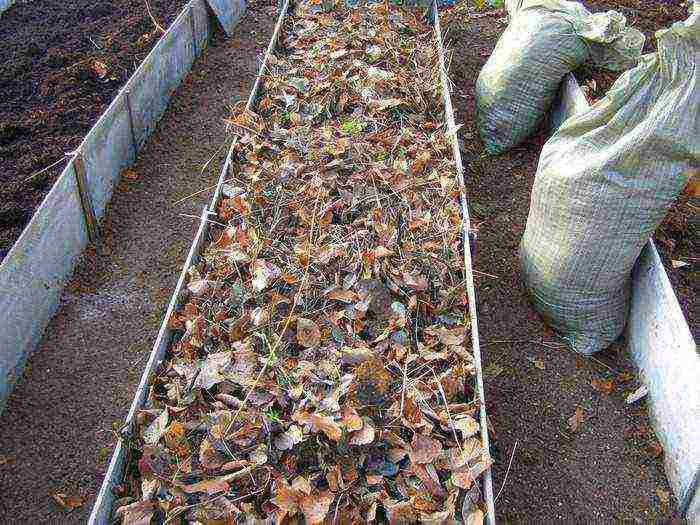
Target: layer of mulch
x=320 y=361
x=677 y=236
x=578 y=451
x=57 y=432
x=62 y=63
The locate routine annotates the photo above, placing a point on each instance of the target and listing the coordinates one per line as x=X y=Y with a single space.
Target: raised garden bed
x=314 y=341
x=35 y=270
x=63 y=62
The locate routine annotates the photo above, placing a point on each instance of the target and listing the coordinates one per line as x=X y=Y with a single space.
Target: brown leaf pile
x=320 y=372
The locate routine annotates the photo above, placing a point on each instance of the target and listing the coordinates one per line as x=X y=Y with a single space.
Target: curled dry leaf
x=153 y=432
x=318 y=423
x=308 y=333
x=67 y=501
x=576 y=420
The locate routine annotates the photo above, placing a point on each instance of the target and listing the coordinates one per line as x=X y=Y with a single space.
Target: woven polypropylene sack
x=604 y=182
x=545 y=40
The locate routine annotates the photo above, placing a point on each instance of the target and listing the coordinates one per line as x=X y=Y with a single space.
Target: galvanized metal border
x=103 y=506
x=468 y=265
x=662 y=348
x=37 y=267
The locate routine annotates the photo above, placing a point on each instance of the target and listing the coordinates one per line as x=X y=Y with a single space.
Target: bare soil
x=54 y=88
x=610 y=467
x=56 y=434
x=677 y=236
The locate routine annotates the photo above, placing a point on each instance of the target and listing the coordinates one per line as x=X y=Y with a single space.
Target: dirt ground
x=677 y=237
x=56 y=434
x=62 y=63
x=610 y=467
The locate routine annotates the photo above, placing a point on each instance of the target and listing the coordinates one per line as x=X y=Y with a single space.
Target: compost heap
x=320 y=373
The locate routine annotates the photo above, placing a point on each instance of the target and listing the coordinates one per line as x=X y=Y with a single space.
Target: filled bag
x=545 y=40
x=604 y=182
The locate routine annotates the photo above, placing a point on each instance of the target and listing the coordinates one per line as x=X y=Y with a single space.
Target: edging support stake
x=127 y=102
x=85 y=199
x=194 y=33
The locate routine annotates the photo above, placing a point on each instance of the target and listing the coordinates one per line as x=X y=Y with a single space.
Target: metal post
x=194 y=33
x=85 y=199
x=132 y=130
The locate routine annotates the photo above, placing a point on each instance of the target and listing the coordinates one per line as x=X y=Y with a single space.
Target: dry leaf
x=448 y=336
x=351 y=419
x=664 y=496
x=67 y=501
x=604 y=386
x=576 y=420
x=315 y=507
x=364 y=436
x=100 y=68
x=424 y=449
x=474 y=517
x=338 y=293
x=286 y=440
x=130 y=174
x=318 y=423
x=264 y=273
x=308 y=333
x=154 y=431
x=210 y=486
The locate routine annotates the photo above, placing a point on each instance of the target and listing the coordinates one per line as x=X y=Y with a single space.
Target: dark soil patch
x=677 y=236
x=606 y=469
x=54 y=87
x=56 y=434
